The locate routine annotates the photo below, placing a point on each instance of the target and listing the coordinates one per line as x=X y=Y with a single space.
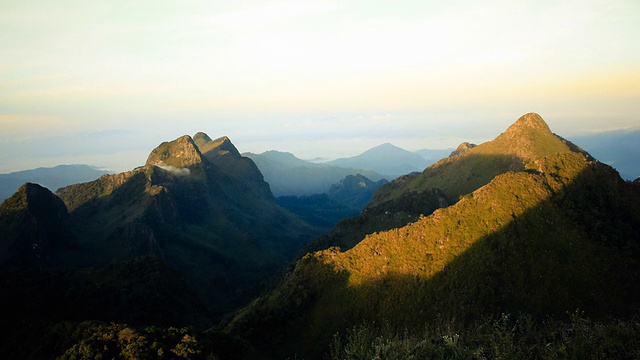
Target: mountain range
x=52 y=178
x=289 y=175
x=524 y=246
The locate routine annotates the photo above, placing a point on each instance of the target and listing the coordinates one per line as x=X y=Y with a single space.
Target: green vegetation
x=543 y=242
x=98 y=340
x=504 y=337
x=318 y=210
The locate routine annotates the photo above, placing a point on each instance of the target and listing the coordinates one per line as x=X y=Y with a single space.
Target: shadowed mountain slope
x=35 y=228
x=207 y=213
x=557 y=234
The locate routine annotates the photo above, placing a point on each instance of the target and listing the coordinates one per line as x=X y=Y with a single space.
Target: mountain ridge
x=524 y=242
x=206 y=213
x=50 y=177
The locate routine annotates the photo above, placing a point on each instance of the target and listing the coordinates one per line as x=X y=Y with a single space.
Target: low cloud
x=176 y=171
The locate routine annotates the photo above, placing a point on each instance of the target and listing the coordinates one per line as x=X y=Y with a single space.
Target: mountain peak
x=34 y=224
x=181 y=152
x=384 y=148
x=201 y=138
x=529 y=122
x=28 y=196
x=214 y=148
x=528 y=138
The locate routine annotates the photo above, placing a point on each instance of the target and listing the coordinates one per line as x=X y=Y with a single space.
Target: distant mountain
x=620 y=149
x=289 y=175
x=433 y=155
x=537 y=227
x=386 y=159
x=198 y=207
x=344 y=199
x=355 y=191
x=51 y=178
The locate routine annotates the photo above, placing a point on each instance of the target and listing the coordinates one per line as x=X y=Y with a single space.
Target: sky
x=103 y=83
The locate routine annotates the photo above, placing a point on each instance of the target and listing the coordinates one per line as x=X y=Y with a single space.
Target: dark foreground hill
x=538 y=228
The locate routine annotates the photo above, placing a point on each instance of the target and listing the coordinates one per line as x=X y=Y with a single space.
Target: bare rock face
x=178 y=153
x=214 y=148
x=462 y=148
x=530 y=121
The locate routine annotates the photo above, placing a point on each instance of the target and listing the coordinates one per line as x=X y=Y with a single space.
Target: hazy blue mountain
x=386 y=159
x=289 y=175
x=355 y=191
x=433 y=155
x=51 y=178
x=620 y=149
x=344 y=199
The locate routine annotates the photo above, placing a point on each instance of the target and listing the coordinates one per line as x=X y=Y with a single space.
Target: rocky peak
x=178 y=153
x=214 y=148
x=462 y=148
x=201 y=138
x=38 y=200
x=530 y=122
x=528 y=139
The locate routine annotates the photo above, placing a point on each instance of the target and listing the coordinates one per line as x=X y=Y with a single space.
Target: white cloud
x=176 y=171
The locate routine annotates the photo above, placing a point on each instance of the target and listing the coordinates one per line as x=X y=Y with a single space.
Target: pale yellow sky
x=317 y=78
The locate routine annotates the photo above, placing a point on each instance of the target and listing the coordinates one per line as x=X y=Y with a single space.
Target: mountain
x=288 y=175
x=536 y=227
x=354 y=191
x=468 y=167
x=51 y=178
x=35 y=228
x=619 y=149
x=344 y=199
x=201 y=209
x=386 y=159
x=471 y=167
